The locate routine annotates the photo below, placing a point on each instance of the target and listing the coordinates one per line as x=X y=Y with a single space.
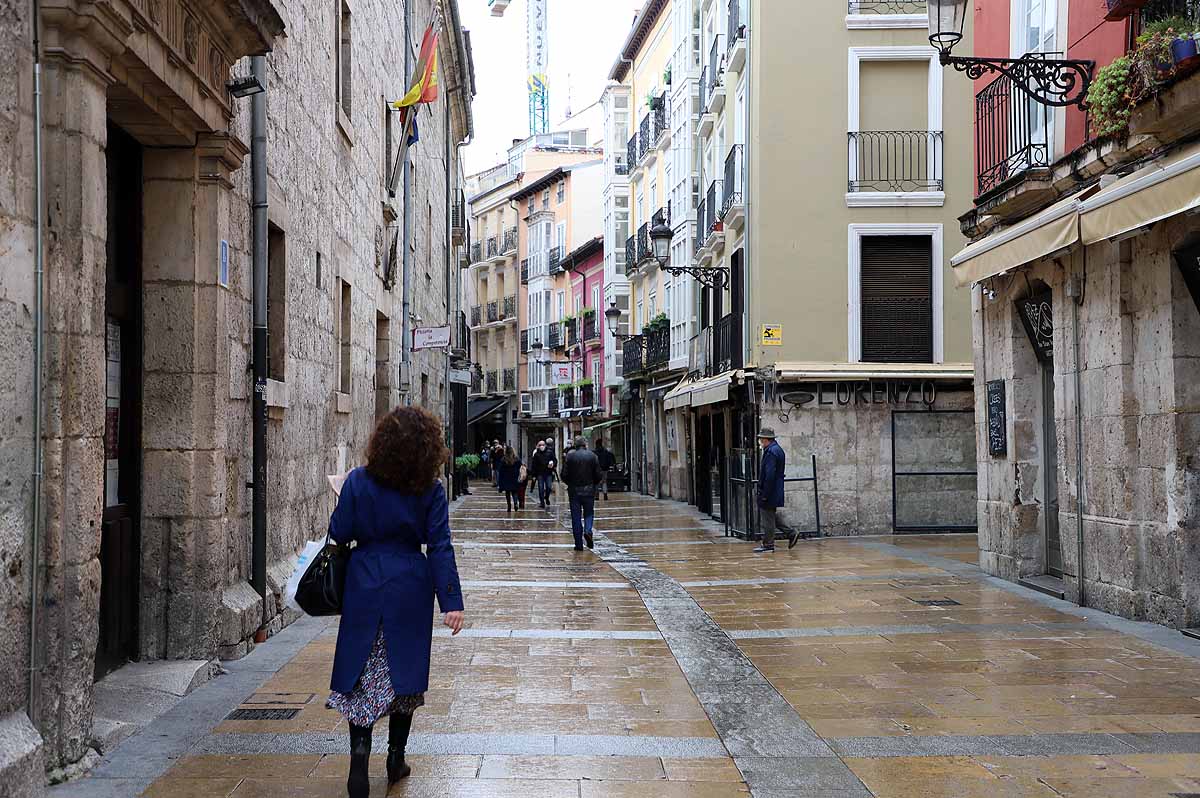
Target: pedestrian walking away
x=607 y=462
x=553 y=464
x=389 y=509
x=509 y=479
x=581 y=474
x=497 y=456
x=770 y=491
x=541 y=470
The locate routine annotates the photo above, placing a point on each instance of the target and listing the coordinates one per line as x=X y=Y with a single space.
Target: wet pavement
x=672 y=661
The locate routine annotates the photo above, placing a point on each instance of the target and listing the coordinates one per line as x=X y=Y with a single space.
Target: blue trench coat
x=390 y=581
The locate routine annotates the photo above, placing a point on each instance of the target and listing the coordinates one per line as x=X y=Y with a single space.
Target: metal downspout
x=1076 y=289
x=38 y=356
x=258 y=176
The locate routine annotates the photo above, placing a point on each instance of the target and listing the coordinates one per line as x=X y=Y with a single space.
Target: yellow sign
x=772 y=335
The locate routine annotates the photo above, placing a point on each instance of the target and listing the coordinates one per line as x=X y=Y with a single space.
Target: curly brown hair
x=407 y=450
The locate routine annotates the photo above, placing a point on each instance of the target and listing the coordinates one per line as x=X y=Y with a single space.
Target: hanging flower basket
x=1121 y=9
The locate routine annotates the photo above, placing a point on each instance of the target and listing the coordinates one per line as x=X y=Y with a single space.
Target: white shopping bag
x=306 y=557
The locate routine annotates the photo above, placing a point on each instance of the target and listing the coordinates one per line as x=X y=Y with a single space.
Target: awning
x=603 y=425
x=1054 y=229
x=479 y=408
x=698 y=393
x=1161 y=190
x=850 y=372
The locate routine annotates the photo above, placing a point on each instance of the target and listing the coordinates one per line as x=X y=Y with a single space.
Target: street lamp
x=1049 y=81
x=660 y=241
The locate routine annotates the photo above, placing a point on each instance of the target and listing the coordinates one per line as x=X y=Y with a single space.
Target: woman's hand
x=453 y=620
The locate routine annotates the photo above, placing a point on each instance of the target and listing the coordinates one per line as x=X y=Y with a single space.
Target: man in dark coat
x=540 y=469
x=581 y=474
x=607 y=461
x=770 y=491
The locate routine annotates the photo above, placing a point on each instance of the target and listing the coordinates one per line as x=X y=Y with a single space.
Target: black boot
x=398 y=728
x=358 y=784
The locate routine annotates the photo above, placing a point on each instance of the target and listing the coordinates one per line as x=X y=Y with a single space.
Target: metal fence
x=896 y=160
x=1011 y=134
x=740 y=511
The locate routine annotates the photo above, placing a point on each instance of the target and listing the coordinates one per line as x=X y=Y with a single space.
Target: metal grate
x=936 y=602
x=262 y=714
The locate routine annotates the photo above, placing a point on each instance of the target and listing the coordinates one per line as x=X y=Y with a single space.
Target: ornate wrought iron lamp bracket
x=712 y=276
x=1054 y=82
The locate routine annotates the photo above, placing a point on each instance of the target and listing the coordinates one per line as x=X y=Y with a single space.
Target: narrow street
x=673 y=662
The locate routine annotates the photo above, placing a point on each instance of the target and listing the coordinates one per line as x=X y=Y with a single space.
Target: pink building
x=586 y=268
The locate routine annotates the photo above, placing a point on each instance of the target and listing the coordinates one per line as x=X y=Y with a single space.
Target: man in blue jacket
x=770 y=491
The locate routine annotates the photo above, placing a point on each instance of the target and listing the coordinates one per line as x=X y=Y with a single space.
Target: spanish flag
x=424 y=87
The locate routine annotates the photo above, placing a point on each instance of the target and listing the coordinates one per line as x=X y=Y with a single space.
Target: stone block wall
x=853 y=446
x=1139 y=376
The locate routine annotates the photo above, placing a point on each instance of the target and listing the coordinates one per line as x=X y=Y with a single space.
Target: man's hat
x=766 y=432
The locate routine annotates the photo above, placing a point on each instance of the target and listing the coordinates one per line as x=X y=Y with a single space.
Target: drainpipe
x=1075 y=291
x=448 y=418
x=35 y=542
x=406 y=279
x=258 y=177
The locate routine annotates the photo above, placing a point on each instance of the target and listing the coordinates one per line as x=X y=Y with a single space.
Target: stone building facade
x=145 y=544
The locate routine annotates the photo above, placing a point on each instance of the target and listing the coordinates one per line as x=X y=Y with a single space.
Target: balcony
x=1010 y=135
x=554 y=336
x=587 y=396
x=886 y=8
x=644 y=250
x=555 y=260
x=458 y=218
x=714 y=231
x=895 y=167
x=493 y=381
x=631 y=153
x=736 y=35
x=645 y=138
x=658 y=347
x=571 y=326
x=701 y=209
x=508 y=310
x=476 y=253
x=524 y=342
x=509 y=382
x=524 y=271
x=476 y=383
x=553 y=403
x=568 y=398
x=707 y=118
x=476 y=316
x=716 y=87
x=591 y=328
x=631 y=356
x=660 y=127
x=727 y=343
x=493 y=312
x=509 y=244
x=493 y=247
x=631 y=258
x=733 y=208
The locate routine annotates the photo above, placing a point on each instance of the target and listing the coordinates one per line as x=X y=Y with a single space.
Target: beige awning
x=874 y=371
x=700 y=392
x=1163 y=189
x=1050 y=231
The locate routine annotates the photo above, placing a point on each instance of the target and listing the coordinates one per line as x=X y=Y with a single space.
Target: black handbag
x=324 y=583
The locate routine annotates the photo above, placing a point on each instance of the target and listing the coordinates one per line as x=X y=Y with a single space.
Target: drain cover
x=936 y=602
x=262 y=714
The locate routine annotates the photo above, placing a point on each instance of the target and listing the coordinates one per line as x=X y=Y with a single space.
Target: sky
x=585 y=37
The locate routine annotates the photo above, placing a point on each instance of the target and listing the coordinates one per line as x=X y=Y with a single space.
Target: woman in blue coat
x=509 y=478
x=389 y=509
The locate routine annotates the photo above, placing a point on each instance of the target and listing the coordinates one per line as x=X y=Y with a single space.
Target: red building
x=585 y=265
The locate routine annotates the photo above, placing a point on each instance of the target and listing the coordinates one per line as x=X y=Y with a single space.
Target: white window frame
x=892 y=199
x=854 y=269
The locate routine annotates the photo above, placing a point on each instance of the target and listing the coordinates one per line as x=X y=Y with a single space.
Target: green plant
x=1172 y=26
x=585 y=382
x=1109 y=100
x=587 y=312
x=466 y=463
x=667 y=75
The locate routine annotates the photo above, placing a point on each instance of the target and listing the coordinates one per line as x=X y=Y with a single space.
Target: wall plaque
x=997 y=418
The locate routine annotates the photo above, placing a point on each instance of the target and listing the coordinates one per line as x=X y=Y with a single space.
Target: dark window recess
x=705 y=305
x=896 y=274
x=737 y=277
x=276 y=303
x=262 y=714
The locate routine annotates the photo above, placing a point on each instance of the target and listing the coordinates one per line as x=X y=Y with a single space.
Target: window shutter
x=897 y=299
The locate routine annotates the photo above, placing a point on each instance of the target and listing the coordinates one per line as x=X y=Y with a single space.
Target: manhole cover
x=936 y=602
x=262 y=714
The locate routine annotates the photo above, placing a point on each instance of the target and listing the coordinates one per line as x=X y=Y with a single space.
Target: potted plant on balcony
x=587 y=313
x=1177 y=33
x=1109 y=100
x=659 y=322
x=667 y=75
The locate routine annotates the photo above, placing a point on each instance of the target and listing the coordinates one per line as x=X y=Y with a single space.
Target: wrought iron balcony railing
x=631 y=153
x=886 y=7
x=661 y=216
x=645 y=144
x=510 y=380
x=458 y=212
x=554 y=337
x=510 y=241
x=896 y=161
x=737 y=28
x=631 y=258
x=493 y=382
x=587 y=396
x=524 y=342
x=631 y=356
x=476 y=315
x=509 y=309
x=476 y=252
x=493 y=311
x=701 y=230
x=712 y=207
x=572 y=328
x=568 y=398
x=728 y=343
x=555 y=260
x=524 y=271
x=493 y=246
x=644 y=249
x=658 y=347
x=591 y=329
x=716 y=54
x=704 y=90
x=476 y=382
x=734 y=176
x=552 y=405
x=1011 y=134
x=659 y=117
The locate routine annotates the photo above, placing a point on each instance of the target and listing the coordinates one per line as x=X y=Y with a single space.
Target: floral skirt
x=373 y=695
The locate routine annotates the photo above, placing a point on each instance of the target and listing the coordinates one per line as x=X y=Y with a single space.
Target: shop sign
x=772 y=335
x=430 y=338
x=460 y=376
x=896 y=393
x=1037 y=315
x=562 y=374
x=997 y=418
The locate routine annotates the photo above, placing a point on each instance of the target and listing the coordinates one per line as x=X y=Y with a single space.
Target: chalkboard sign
x=997 y=419
x=1037 y=315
